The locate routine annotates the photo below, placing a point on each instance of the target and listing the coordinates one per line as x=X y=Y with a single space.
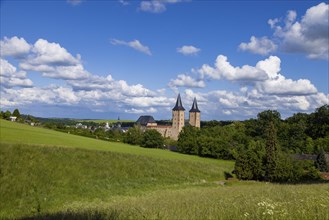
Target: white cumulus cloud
x=53 y=61
x=308 y=35
x=51 y=54
x=262 y=46
x=9 y=77
x=14 y=46
x=265 y=76
x=188 y=50
x=224 y=70
x=283 y=86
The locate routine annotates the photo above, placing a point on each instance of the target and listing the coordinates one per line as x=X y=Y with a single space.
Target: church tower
x=178 y=117
x=195 y=115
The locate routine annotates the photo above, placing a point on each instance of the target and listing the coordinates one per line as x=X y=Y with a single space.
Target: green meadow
x=46 y=174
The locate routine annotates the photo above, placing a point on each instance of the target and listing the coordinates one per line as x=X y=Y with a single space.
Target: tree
x=152 y=139
x=319 y=123
x=309 y=145
x=264 y=118
x=7 y=114
x=16 y=113
x=134 y=136
x=100 y=133
x=321 y=143
x=321 y=162
x=248 y=166
x=269 y=115
x=188 y=140
x=272 y=150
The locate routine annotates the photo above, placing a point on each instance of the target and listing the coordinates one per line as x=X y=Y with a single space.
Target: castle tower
x=195 y=115
x=178 y=117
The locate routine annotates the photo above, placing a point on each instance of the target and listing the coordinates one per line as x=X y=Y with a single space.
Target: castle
x=178 y=120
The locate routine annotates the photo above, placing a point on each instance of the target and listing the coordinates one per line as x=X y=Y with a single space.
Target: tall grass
x=38 y=179
x=209 y=201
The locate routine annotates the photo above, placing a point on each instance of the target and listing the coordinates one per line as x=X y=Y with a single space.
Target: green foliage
x=270 y=163
x=321 y=143
x=309 y=146
x=272 y=151
x=134 y=136
x=115 y=135
x=249 y=165
x=16 y=113
x=217 y=142
x=152 y=139
x=319 y=123
x=187 y=140
x=266 y=117
x=321 y=162
x=100 y=133
x=7 y=114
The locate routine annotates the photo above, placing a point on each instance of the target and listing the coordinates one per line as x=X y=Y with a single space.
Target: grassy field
x=25 y=134
x=51 y=175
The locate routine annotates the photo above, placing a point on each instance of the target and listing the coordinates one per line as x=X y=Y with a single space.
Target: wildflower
x=246 y=214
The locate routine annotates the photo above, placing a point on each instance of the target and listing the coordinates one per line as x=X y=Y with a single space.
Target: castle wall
x=166 y=131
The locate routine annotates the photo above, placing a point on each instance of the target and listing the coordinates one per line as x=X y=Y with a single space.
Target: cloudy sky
x=104 y=59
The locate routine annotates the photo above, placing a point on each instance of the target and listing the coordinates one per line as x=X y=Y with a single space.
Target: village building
x=12 y=118
x=178 y=120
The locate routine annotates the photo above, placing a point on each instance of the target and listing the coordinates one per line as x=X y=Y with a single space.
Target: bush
x=321 y=163
x=133 y=136
x=248 y=166
x=152 y=139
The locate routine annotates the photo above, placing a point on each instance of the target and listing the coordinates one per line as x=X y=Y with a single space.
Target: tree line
x=263 y=147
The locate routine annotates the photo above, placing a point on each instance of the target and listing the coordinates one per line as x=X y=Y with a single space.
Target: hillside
x=52 y=175
x=44 y=170
x=25 y=134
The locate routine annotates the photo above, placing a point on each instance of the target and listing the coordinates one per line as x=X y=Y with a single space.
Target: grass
x=40 y=178
x=25 y=134
x=52 y=175
x=237 y=201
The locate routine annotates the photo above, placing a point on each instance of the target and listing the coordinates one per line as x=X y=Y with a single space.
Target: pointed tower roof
x=179 y=105
x=195 y=106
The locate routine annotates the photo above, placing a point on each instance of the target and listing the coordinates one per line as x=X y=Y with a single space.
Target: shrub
x=152 y=139
x=248 y=166
x=321 y=163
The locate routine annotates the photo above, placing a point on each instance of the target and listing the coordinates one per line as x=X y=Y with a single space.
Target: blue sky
x=104 y=59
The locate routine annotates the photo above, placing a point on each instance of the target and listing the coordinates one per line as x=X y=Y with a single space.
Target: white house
x=12 y=118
